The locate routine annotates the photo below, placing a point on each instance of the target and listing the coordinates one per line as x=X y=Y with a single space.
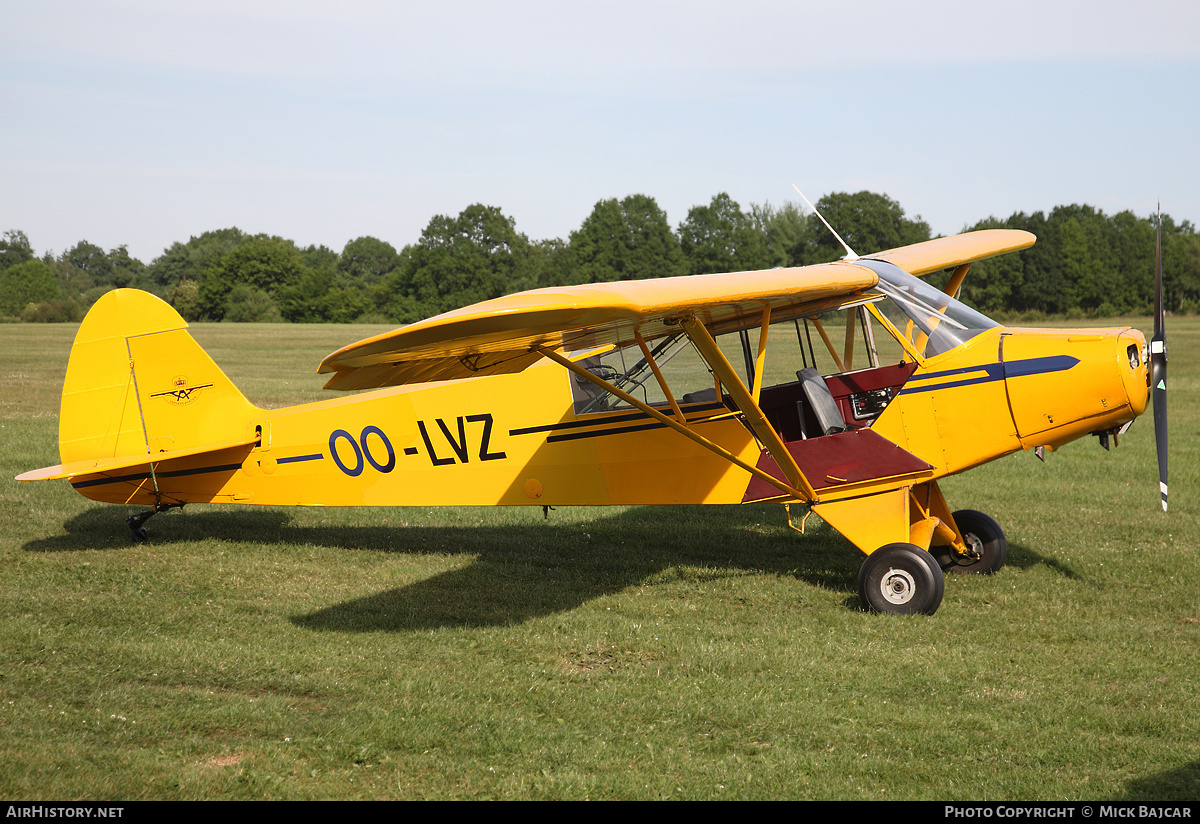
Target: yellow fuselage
x=514 y=439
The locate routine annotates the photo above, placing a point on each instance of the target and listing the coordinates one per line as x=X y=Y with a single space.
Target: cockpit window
x=626 y=368
x=933 y=321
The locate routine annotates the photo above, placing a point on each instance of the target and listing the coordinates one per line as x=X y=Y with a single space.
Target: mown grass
x=628 y=652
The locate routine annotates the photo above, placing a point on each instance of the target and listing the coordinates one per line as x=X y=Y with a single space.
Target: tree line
x=1084 y=263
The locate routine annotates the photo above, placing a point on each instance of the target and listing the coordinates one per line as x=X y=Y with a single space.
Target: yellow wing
x=946 y=252
x=501 y=336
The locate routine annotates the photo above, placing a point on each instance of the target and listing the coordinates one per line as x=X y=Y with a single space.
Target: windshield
x=932 y=320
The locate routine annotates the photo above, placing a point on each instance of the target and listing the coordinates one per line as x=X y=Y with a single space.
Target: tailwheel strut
x=136 y=523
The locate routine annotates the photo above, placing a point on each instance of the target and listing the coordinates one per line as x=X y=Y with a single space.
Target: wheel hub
x=897 y=586
x=974 y=549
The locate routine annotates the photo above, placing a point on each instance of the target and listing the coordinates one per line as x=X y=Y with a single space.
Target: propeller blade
x=1158 y=369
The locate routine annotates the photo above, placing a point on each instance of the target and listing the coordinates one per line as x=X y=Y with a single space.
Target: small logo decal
x=181 y=394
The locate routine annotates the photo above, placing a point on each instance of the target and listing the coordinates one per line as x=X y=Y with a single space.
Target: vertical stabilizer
x=138 y=385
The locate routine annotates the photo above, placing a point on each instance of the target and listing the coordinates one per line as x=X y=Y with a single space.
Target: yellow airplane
x=628 y=393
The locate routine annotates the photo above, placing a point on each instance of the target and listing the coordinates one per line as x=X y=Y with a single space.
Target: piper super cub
x=857 y=386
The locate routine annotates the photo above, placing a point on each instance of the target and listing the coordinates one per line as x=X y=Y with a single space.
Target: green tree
x=867 y=221
x=1083 y=261
x=57 y=310
x=1181 y=266
x=249 y=304
x=319 y=257
x=14 y=248
x=786 y=231
x=1082 y=287
x=720 y=237
x=366 y=261
x=24 y=284
x=1089 y=255
x=473 y=257
x=123 y=270
x=1133 y=257
x=73 y=282
x=186 y=261
x=629 y=239
x=316 y=298
x=86 y=271
x=185 y=298
x=1040 y=286
x=1185 y=284
x=552 y=263
x=993 y=285
x=266 y=263
x=92 y=260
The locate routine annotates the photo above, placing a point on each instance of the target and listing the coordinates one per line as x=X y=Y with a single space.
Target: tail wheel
x=987 y=548
x=901 y=579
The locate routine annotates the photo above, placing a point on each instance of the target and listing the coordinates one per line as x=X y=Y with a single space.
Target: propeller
x=1158 y=369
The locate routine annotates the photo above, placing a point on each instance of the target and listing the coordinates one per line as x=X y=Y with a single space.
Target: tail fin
x=140 y=389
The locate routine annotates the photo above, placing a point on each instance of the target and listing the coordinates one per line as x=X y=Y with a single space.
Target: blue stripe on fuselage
x=991 y=372
x=1039 y=366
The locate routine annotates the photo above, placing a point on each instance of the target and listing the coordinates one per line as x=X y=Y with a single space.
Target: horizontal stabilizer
x=101 y=466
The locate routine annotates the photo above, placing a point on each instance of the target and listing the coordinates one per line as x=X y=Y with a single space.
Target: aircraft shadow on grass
x=1182 y=784
x=522 y=571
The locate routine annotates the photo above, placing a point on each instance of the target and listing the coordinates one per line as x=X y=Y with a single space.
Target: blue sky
x=143 y=123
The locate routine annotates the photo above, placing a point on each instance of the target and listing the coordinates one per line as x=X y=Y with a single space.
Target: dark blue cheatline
x=992 y=372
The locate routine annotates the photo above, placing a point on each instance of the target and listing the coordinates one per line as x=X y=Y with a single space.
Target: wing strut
x=658 y=376
x=848 y=357
x=755 y=417
x=756 y=393
x=681 y=428
x=956 y=279
x=837 y=359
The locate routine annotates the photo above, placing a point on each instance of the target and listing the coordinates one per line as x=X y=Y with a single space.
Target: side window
x=625 y=367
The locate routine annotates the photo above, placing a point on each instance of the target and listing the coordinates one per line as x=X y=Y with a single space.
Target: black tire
x=986 y=540
x=901 y=579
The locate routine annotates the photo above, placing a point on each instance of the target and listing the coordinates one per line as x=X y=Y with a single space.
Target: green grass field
x=627 y=652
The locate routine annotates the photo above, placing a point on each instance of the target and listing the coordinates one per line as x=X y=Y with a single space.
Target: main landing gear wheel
x=987 y=548
x=901 y=579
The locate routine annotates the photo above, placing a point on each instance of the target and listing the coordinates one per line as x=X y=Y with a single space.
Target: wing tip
x=47 y=473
